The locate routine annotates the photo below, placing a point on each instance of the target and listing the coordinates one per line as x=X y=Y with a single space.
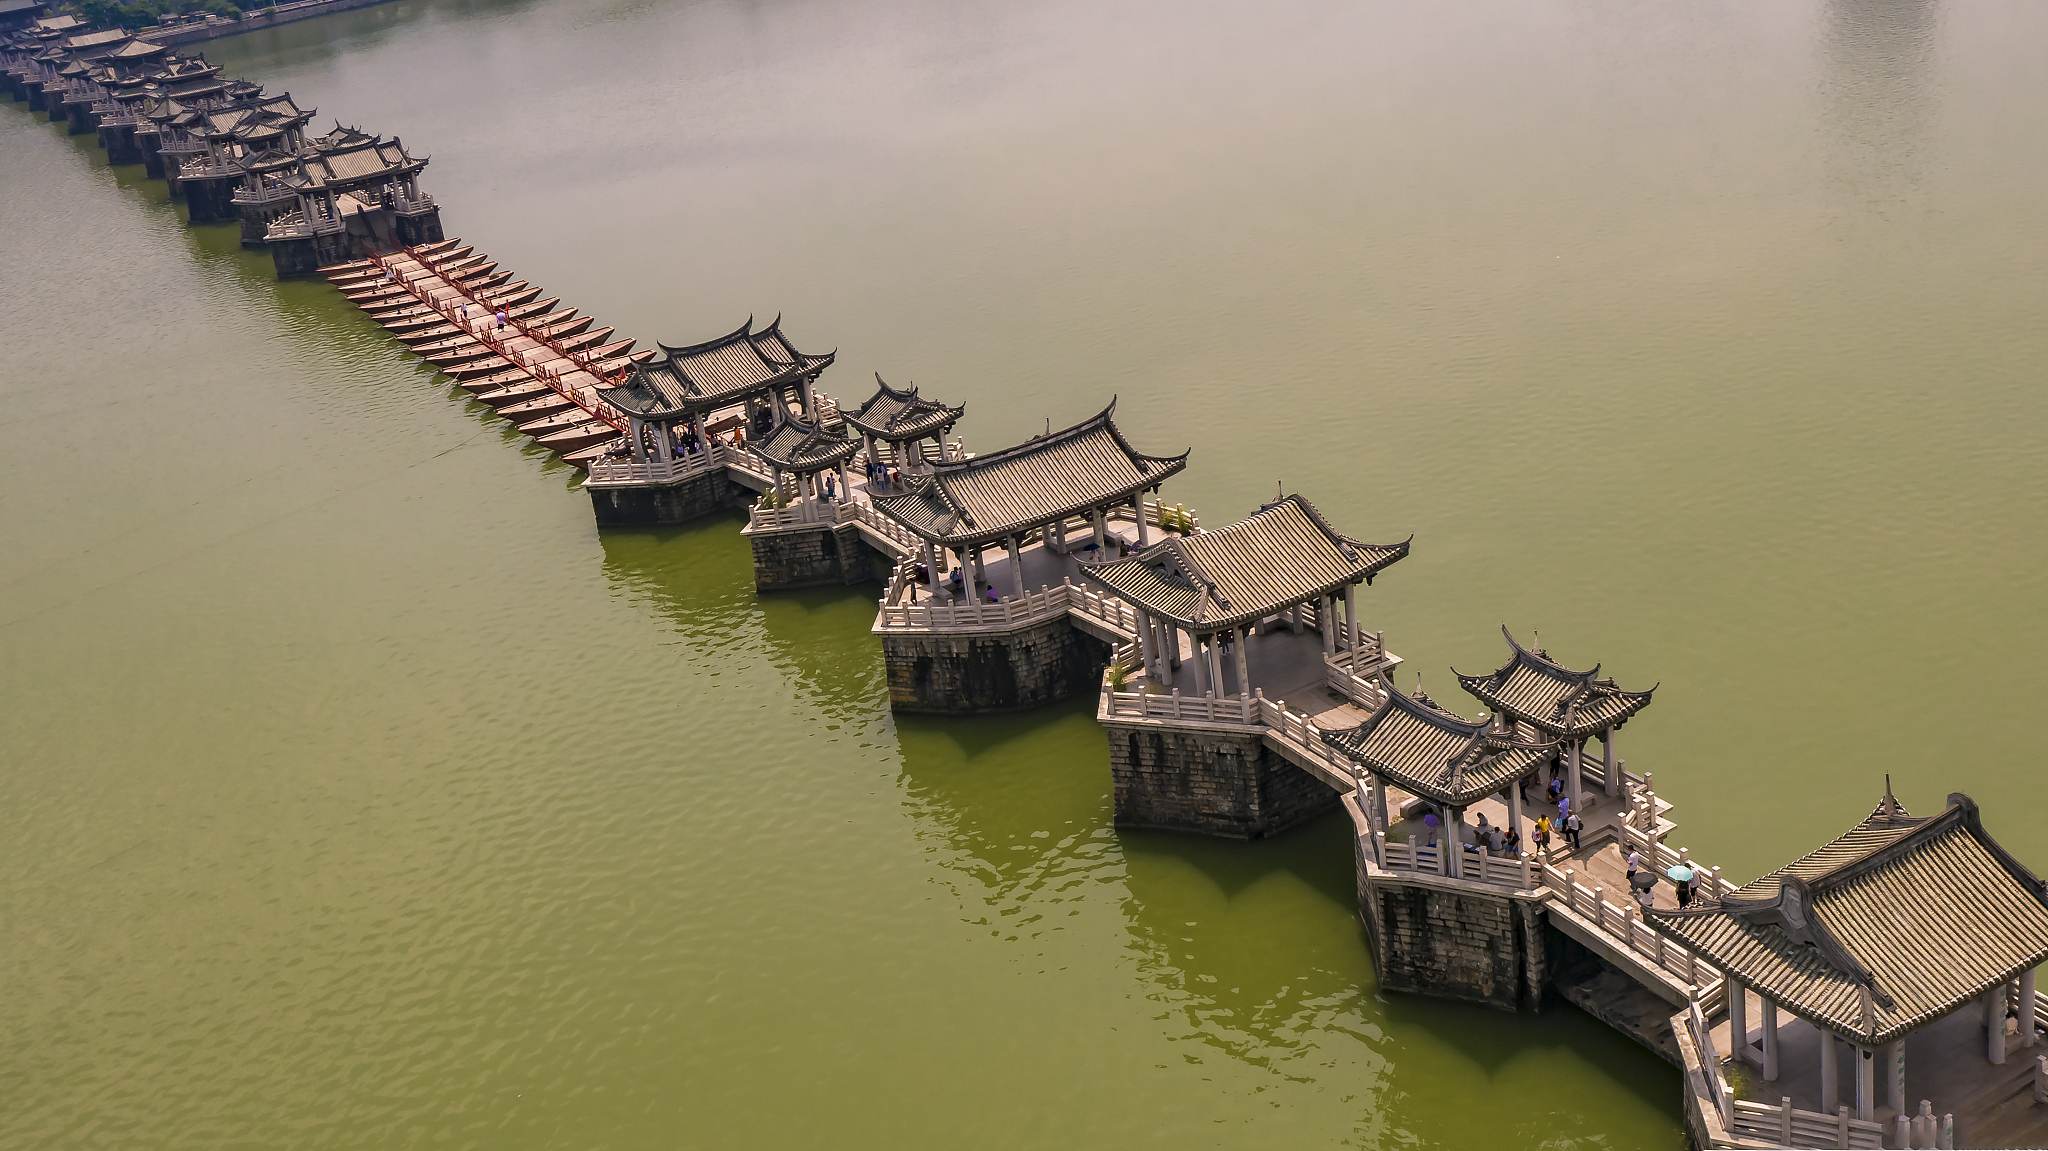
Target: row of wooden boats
x=538 y=367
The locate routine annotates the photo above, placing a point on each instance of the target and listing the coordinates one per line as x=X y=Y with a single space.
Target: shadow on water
x=1878 y=80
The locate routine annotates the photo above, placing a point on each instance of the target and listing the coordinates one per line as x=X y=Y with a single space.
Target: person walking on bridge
x=1572 y=826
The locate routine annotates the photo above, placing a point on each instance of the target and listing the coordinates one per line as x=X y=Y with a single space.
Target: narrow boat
x=559 y=422
x=444 y=346
x=536 y=308
x=458 y=263
x=506 y=388
x=608 y=351
x=379 y=291
x=576 y=438
x=568 y=325
x=484 y=285
x=412 y=320
x=459 y=355
x=433 y=335
x=546 y=404
x=483 y=367
x=586 y=339
x=474 y=270
x=584 y=457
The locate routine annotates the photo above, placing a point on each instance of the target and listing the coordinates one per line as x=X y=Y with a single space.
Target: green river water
x=359 y=793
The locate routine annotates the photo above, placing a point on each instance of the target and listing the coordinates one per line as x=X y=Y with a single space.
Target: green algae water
x=359 y=793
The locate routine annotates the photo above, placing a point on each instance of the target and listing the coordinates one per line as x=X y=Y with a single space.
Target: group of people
x=880 y=474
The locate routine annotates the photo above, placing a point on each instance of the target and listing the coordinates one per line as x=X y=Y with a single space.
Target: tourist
x=1431 y=822
x=1513 y=842
x=1556 y=785
x=1542 y=832
x=1646 y=898
x=1635 y=863
x=501 y=319
x=1564 y=807
x=1684 y=891
x=993 y=597
x=1495 y=841
x=1572 y=826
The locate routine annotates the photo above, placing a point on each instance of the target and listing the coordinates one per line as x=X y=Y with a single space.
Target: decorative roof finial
x=1891 y=806
x=1279 y=491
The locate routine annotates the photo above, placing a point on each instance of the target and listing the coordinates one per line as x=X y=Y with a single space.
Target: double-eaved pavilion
x=1902 y=928
x=1568 y=706
x=1217 y=587
x=1026 y=494
x=1442 y=758
x=901 y=419
x=758 y=370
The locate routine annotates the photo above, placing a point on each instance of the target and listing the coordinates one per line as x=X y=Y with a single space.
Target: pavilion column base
x=1451 y=940
x=416 y=228
x=968 y=673
x=81 y=119
x=1209 y=781
x=150 y=145
x=656 y=505
x=785 y=559
x=119 y=141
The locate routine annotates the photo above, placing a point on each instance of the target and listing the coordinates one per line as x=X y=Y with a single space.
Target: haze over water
x=359 y=793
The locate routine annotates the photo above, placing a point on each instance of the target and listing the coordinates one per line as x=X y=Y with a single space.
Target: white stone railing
x=1365 y=690
x=803 y=513
x=1788 y=1126
x=945 y=613
x=629 y=472
x=857 y=512
x=1624 y=924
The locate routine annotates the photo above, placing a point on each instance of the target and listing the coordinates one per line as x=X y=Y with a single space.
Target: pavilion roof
x=895 y=416
x=715 y=374
x=353 y=167
x=1419 y=745
x=1285 y=554
x=58 y=24
x=95 y=39
x=991 y=497
x=802 y=447
x=1551 y=697
x=136 y=50
x=1885 y=928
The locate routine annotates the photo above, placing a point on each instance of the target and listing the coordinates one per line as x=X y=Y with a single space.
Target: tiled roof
x=800 y=447
x=353 y=167
x=896 y=416
x=715 y=374
x=1416 y=744
x=1285 y=554
x=1886 y=928
x=991 y=497
x=1555 y=699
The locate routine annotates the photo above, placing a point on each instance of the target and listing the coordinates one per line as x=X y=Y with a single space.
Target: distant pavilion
x=1569 y=706
x=1218 y=586
x=760 y=371
x=901 y=419
x=1026 y=494
x=1880 y=933
x=1438 y=756
x=804 y=449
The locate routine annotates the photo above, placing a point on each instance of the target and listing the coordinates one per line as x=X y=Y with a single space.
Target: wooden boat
x=448 y=347
x=568 y=325
x=433 y=335
x=584 y=340
x=546 y=404
x=473 y=290
x=584 y=457
x=608 y=351
x=549 y=425
x=458 y=357
x=402 y=327
x=576 y=438
x=503 y=388
x=382 y=291
x=483 y=367
x=469 y=270
x=455 y=264
x=536 y=308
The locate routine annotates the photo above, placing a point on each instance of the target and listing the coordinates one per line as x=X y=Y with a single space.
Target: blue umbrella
x=1680 y=874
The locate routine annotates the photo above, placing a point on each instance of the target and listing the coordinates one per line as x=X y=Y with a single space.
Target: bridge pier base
x=655 y=505
x=966 y=673
x=814 y=556
x=1210 y=780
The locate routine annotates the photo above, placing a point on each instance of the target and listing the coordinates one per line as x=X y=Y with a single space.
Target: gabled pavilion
x=1881 y=932
x=761 y=370
x=1007 y=497
x=805 y=449
x=1219 y=585
x=1436 y=755
x=900 y=419
x=1569 y=706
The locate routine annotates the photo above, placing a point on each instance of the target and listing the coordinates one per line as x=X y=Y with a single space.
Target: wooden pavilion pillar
x=2027 y=1008
x=1201 y=665
x=703 y=437
x=1351 y=623
x=1575 y=780
x=1138 y=505
x=1830 y=1072
x=1738 y=1014
x=1994 y=1024
x=1326 y=620
x=1379 y=803
x=1450 y=853
x=931 y=564
x=1101 y=533
x=1866 y=1092
x=1244 y=675
x=1608 y=764
x=635 y=440
x=1513 y=794
x=1895 y=1075
x=1770 y=1021
x=1016 y=567
x=1147 y=646
x=1215 y=667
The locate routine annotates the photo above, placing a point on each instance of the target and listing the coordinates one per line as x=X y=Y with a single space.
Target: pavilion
x=1219 y=586
x=1882 y=932
x=761 y=370
x=1009 y=497
x=805 y=449
x=1420 y=746
x=900 y=419
x=1568 y=706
